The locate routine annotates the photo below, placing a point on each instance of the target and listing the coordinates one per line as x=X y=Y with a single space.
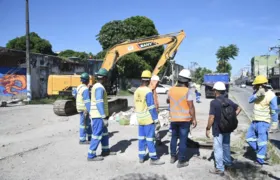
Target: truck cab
x=211 y=79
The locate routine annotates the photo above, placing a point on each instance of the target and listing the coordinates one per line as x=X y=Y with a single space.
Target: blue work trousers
x=257 y=137
x=197 y=94
x=222 y=151
x=146 y=136
x=85 y=127
x=100 y=134
x=180 y=130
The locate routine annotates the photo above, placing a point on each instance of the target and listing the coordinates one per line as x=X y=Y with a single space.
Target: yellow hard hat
x=146 y=74
x=260 y=79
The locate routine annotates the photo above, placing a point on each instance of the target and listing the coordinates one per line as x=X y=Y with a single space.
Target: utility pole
x=277 y=49
x=28 y=77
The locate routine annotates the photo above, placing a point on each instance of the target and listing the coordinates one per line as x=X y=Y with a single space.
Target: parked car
x=166 y=86
x=243 y=85
x=161 y=89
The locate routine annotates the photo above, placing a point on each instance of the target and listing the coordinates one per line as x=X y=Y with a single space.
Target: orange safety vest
x=179 y=108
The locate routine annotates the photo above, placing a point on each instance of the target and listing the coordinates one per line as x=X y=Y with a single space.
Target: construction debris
x=129 y=118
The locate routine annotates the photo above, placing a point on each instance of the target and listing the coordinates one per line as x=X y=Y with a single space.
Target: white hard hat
x=220 y=86
x=185 y=73
x=155 y=78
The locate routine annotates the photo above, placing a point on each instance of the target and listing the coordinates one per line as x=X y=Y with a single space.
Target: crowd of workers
x=93 y=109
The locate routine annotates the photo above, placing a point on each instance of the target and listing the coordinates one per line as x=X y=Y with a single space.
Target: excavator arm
x=169 y=52
x=119 y=50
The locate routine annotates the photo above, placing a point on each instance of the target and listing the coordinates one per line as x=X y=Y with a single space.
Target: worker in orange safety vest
x=182 y=114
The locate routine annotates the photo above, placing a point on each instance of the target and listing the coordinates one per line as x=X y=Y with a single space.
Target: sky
x=253 y=25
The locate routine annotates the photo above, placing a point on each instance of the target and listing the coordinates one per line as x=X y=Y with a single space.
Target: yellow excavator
x=64 y=84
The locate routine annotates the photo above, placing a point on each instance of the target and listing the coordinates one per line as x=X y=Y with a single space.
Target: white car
x=243 y=85
x=161 y=89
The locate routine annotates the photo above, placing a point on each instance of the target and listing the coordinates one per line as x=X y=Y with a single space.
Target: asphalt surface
x=242 y=95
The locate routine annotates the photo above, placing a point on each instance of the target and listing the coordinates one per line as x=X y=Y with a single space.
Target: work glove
x=157 y=125
x=85 y=113
x=105 y=122
x=260 y=92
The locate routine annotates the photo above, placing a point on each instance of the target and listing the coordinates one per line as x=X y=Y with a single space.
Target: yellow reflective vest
x=94 y=113
x=80 y=104
x=262 y=109
x=141 y=108
x=198 y=87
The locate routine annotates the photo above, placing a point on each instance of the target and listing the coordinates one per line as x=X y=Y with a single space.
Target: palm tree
x=224 y=54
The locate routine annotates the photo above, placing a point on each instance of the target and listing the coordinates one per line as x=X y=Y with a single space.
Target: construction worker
x=221 y=144
x=265 y=106
x=197 y=92
x=99 y=113
x=147 y=117
x=182 y=114
x=153 y=85
x=83 y=107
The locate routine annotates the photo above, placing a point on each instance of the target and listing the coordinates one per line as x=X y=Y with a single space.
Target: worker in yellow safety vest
x=197 y=92
x=265 y=106
x=182 y=115
x=99 y=112
x=83 y=108
x=147 y=117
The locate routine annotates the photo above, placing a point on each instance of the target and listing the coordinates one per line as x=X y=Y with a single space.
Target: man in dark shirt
x=221 y=140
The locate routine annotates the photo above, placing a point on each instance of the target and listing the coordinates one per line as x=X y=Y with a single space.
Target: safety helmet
x=146 y=75
x=185 y=73
x=84 y=77
x=155 y=78
x=260 y=79
x=102 y=72
x=220 y=86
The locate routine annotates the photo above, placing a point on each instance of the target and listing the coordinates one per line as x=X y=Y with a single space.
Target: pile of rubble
x=129 y=118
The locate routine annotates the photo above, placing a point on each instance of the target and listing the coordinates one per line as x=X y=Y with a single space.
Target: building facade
x=260 y=65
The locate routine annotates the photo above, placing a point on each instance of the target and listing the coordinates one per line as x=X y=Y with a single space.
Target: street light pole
x=28 y=77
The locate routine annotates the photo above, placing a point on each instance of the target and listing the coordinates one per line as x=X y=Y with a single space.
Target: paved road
x=242 y=95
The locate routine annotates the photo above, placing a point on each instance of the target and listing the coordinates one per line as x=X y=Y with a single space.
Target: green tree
x=70 y=53
x=37 y=44
x=224 y=54
x=199 y=74
x=224 y=67
x=132 y=28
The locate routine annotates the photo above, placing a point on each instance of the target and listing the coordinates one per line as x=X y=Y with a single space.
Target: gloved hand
x=105 y=122
x=86 y=113
x=260 y=92
x=157 y=126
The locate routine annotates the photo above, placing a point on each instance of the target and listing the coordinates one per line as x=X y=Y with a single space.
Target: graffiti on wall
x=12 y=81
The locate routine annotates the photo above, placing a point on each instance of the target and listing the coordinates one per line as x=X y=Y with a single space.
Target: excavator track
x=64 y=107
x=68 y=107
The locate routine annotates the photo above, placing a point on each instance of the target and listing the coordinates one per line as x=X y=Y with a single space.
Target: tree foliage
x=224 y=54
x=70 y=53
x=37 y=44
x=199 y=74
x=132 y=28
x=224 y=67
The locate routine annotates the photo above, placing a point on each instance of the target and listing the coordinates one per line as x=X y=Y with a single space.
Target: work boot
x=84 y=142
x=156 y=162
x=257 y=164
x=97 y=158
x=173 y=159
x=108 y=153
x=141 y=161
x=182 y=164
x=217 y=172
